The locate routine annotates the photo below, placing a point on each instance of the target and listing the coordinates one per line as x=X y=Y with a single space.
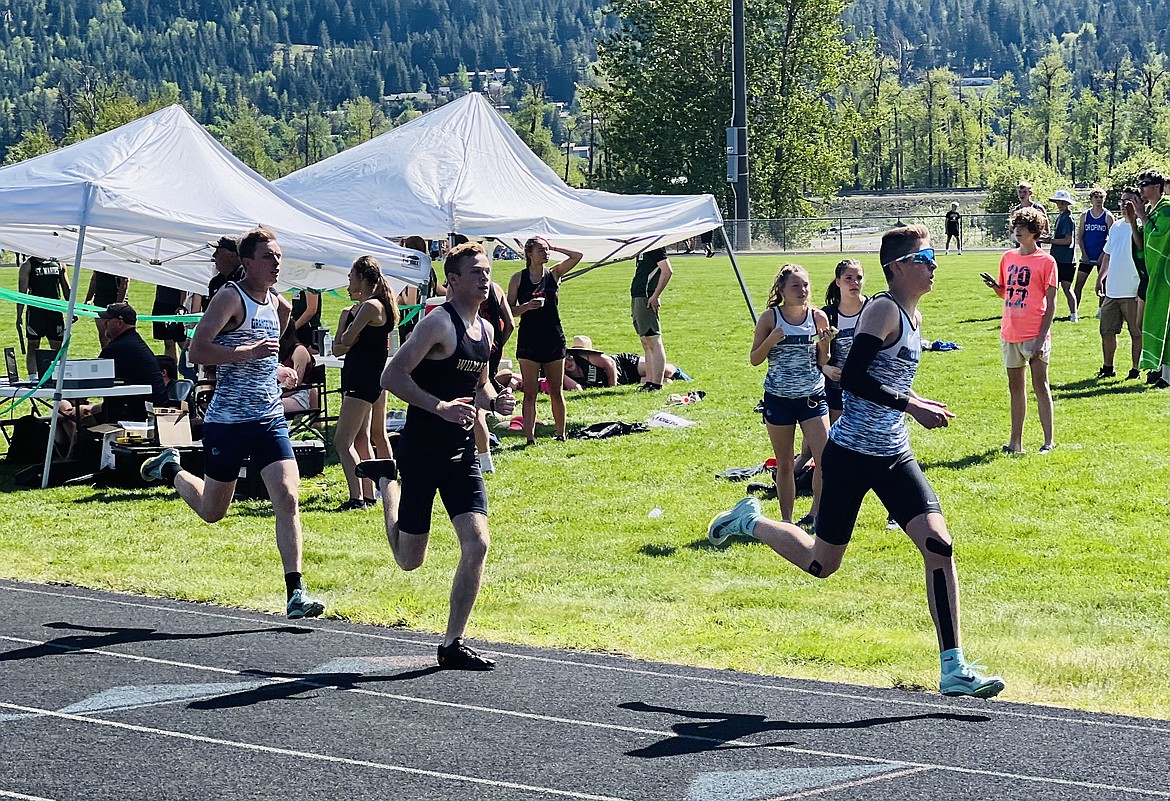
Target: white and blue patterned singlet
x=246 y=391
x=868 y=427
x=792 y=364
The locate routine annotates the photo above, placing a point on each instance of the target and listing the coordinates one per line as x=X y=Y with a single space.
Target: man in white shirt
x=1117 y=286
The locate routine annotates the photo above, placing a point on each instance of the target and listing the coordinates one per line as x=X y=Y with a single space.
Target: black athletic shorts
x=848 y=475
x=42 y=323
x=627 y=368
x=833 y=396
x=457 y=480
x=363 y=384
x=1066 y=271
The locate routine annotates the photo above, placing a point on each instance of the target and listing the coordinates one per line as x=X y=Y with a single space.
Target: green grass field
x=1063 y=559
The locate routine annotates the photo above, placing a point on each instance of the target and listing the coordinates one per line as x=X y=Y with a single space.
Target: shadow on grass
x=1092 y=387
x=103 y=637
x=116 y=494
x=722 y=730
x=289 y=685
x=704 y=544
x=656 y=549
x=981 y=320
x=971 y=460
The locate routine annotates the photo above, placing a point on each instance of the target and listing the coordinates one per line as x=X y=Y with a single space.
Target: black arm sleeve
x=855 y=375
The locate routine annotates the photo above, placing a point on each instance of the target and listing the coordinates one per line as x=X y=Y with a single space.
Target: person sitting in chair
x=586 y=368
x=134 y=363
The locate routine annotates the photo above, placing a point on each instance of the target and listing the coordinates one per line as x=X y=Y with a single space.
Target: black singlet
x=366 y=358
x=589 y=375
x=540 y=337
x=44 y=278
x=105 y=289
x=456 y=376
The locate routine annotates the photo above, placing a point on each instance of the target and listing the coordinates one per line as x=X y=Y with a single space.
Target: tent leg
x=63 y=357
x=738 y=274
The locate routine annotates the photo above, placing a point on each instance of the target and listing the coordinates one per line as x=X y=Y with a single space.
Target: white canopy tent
x=462 y=169
x=144 y=200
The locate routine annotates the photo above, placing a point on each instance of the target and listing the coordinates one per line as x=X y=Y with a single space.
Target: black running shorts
x=847 y=476
x=457 y=480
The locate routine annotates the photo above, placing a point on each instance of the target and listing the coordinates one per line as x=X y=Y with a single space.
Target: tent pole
x=63 y=358
x=738 y=274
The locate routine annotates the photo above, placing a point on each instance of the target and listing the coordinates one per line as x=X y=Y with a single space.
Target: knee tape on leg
x=815 y=568
x=942 y=605
x=939 y=547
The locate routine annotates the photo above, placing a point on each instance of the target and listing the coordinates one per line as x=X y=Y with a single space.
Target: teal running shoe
x=301 y=604
x=151 y=469
x=970 y=680
x=734 y=521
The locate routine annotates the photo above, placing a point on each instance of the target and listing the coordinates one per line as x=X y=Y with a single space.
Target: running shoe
x=376 y=469
x=1047 y=448
x=808 y=523
x=969 y=680
x=733 y=521
x=1133 y=374
x=1074 y=318
x=151 y=469
x=301 y=604
x=1106 y=372
x=460 y=656
x=649 y=386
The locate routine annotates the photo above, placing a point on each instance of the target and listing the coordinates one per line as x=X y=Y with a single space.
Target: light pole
x=568 y=146
x=737 y=134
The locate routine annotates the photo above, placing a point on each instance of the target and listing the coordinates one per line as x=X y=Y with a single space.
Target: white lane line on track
x=901 y=763
x=268 y=749
x=988 y=709
x=10 y=794
x=885 y=777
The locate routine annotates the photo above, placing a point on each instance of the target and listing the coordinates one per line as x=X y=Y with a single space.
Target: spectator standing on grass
x=105 y=289
x=42 y=278
x=1027 y=284
x=306 y=311
x=652 y=272
x=1062 y=239
x=240 y=334
x=1156 y=247
x=363 y=335
x=1118 y=281
x=533 y=294
x=442 y=372
x=954 y=226
x=1091 y=235
x=1024 y=195
x=794 y=340
x=869 y=448
x=169 y=301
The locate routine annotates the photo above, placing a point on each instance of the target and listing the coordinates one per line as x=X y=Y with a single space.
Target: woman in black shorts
x=362 y=337
x=540 y=343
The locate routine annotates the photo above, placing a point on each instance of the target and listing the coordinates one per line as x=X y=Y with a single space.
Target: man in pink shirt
x=1027 y=284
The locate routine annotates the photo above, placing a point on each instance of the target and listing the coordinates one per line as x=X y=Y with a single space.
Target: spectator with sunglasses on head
x=1027 y=284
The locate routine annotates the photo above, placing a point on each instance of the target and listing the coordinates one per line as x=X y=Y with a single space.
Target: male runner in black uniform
x=44 y=278
x=869 y=448
x=442 y=372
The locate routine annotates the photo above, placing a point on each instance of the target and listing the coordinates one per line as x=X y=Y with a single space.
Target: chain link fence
x=854 y=234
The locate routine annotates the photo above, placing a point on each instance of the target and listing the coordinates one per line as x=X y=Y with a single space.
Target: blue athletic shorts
x=226 y=445
x=780 y=411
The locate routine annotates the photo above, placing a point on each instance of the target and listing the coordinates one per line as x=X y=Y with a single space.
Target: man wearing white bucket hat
x=1063 y=236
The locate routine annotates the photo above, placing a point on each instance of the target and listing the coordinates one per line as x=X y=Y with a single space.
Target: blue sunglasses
x=924 y=256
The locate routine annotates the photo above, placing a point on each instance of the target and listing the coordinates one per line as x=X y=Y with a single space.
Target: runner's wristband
x=855 y=377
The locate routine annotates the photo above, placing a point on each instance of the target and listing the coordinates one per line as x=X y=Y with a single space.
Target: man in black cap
x=227 y=265
x=134 y=363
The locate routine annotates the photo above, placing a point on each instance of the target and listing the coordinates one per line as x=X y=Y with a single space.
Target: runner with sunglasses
x=869 y=448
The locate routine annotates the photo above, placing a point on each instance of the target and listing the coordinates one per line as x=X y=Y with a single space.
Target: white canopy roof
x=154 y=192
x=462 y=169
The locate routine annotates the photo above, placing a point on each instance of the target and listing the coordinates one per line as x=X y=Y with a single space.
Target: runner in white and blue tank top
x=793 y=337
x=246 y=391
x=872 y=428
x=239 y=334
x=869 y=449
x=793 y=371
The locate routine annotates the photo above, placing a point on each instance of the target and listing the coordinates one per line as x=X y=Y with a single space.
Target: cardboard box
x=172 y=427
x=109 y=434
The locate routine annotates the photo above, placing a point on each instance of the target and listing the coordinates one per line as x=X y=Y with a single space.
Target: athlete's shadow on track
x=299 y=683
x=103 y=637
x=722 y=730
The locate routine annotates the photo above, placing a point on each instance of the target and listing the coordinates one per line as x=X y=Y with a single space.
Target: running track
x=106 y=696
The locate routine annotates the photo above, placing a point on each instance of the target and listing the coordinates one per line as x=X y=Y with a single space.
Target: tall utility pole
x=737 y=138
